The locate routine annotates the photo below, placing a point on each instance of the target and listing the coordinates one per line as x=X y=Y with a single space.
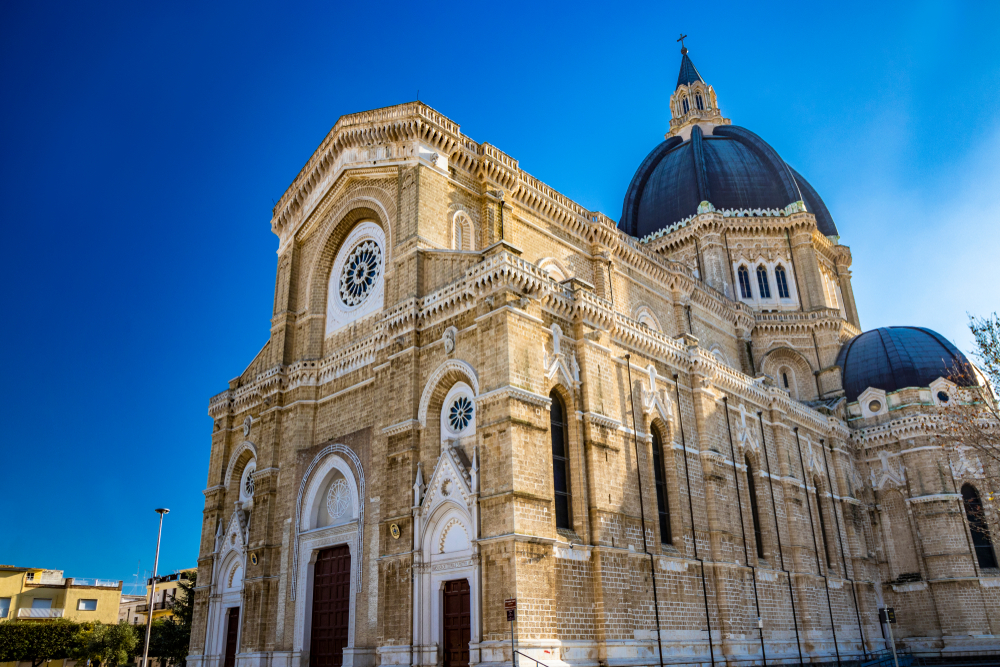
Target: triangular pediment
x=450 y=480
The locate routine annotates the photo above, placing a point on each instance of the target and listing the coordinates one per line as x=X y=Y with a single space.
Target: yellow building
x=37 y=593
x=166 y=590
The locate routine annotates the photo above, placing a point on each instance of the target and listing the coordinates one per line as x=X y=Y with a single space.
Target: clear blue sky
x=142 y=147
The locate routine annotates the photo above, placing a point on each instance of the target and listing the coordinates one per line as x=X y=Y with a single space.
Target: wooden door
x=232 y=635
x=457 y=623
x=331 y=607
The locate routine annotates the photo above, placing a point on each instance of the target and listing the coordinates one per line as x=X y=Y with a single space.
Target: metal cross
x=681 y=40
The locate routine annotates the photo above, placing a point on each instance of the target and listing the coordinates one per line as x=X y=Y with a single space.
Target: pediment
x=451 y=480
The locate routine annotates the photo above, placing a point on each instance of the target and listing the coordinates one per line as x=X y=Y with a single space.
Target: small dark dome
x=893 y=358
x=731 y=168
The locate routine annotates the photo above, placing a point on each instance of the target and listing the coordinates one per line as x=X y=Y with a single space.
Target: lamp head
x=162 y=510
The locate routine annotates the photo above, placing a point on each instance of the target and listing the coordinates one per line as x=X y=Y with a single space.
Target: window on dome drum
x=744 y=282
x=699 y=102
x=782 y=280
x=560 y=462
x=752 y=492
x=981 y=541
x=762 y=282
x=660 y=477
x=686 y=107
x=822 y=522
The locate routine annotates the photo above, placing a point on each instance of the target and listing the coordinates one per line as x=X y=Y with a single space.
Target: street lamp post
x=152 y=590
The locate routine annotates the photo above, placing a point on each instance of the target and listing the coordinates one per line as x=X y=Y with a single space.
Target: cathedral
x=489 y=423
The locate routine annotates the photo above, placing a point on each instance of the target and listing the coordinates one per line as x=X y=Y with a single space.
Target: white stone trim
x=245 y=446
x=435 y=377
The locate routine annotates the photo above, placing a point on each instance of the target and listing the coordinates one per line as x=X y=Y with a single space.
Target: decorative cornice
x=516 y=393
x=934 y=497
x=401 y=427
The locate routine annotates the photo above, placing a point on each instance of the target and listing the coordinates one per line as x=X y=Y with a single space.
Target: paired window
x=981 y=541
x=752 y=491
x=560 y=462
x=822 y=522
x=762 y=282
x=745 y=283
x=782 y=280
x=86 y=605
x=660 y=477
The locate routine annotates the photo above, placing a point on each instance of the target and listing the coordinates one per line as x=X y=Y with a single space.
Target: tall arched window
x=744 y=282
x=560 y=462
x=752 y=491
x=660 y=476
x=822 y=521
x=762 y=282
x=686 y=106
x=699 y=102
x=977 y=524
x=782 y=280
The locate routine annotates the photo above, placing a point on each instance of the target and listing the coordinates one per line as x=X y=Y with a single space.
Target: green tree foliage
x=34 y=641
x=108 y=645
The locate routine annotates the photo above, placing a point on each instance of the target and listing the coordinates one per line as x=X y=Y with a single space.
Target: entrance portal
x=457 y=623
x=331 y=607
x=232 y=634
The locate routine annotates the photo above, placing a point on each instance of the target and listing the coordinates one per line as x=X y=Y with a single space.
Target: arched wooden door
x=331 y=607
x=457 y=623
x=232 y=636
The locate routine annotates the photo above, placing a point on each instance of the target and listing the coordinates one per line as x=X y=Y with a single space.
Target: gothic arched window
x=560 y=462
x=762 y=282
x=686 y=106
x=752 y=491
x=744 y=282
x=822 y=521
x=660 y=476
x=980 y=530
x=782 y=280
x=699 y=102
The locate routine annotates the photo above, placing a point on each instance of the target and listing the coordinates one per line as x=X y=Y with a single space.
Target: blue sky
x=143 y=146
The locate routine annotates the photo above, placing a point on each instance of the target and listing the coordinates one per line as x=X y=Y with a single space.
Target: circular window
x=874 y=406
x=248 y=486
x=360 y=273
x=460 y=413
x=338 y=499
x=943 y=397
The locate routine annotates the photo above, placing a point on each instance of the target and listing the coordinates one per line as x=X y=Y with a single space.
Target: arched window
x=660 y=476
x=980 y=530
x=822 y=521
x=744 y=282
x=784 y=378
x=782 y=280
x=560 y=462
x=762 y=282
x=686 y=106
x=699 y=102
x=752 y=491
x=462 y=236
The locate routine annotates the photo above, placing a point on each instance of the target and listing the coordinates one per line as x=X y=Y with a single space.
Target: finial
x=683 y=48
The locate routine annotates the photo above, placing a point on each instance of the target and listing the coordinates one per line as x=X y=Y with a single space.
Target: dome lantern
x=693 y=101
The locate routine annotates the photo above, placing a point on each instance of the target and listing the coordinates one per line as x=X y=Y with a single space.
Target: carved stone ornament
x=560 y=362
x=246 y=426
x=744 y=435
x=653 y=398
x=449 y=339
x=967 y=465
x=888 y=475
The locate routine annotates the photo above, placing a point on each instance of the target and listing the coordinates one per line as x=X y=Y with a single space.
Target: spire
x=693 y=101
x=689 y=73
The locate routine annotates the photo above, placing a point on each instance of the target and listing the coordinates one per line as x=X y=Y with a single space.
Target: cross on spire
x=681 y=40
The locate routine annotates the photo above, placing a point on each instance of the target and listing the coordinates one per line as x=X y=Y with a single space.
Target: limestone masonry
x=468 y=374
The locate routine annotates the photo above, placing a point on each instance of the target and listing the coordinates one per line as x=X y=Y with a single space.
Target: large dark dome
x=893 y=358
x=732 y=168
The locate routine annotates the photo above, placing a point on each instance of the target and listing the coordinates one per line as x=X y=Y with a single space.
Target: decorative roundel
x=394 y=531
x=460 y=413
x=875 y=406
x=360 y=272
x=248 y=486
x=253 y=558
x=338 y=500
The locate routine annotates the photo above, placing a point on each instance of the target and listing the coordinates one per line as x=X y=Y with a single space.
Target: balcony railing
x=39 y=613
x=100 y=583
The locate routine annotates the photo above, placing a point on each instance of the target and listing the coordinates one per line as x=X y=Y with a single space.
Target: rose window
x=361 y=270
x=338 y=500
x=460 y=413
x=248 y=485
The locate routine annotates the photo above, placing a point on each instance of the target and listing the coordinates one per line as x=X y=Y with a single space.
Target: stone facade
x=489 y=286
